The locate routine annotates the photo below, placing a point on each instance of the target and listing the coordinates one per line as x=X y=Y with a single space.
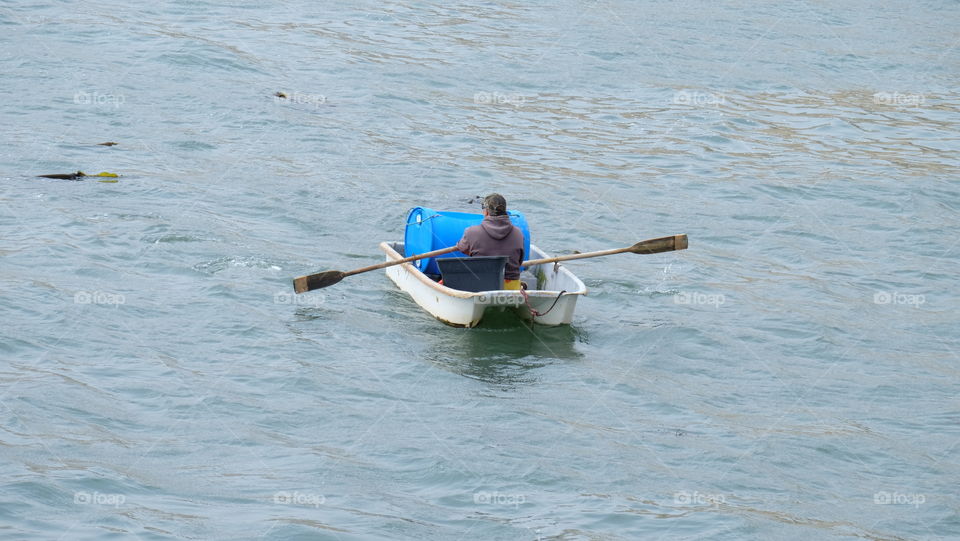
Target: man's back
x=495 y=236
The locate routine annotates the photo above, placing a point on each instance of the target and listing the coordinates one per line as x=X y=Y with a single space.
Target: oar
x=652 y=246
x=328 y=278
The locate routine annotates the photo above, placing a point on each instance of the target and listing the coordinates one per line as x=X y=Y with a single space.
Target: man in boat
x=496 y=236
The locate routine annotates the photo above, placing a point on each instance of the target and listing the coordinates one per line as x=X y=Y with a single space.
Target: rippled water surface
x=793 y=375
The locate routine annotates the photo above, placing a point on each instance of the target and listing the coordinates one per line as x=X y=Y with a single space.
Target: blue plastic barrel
x=428 y=230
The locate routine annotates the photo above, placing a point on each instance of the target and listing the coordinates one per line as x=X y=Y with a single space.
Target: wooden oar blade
x=663 y=244
x=317 y=281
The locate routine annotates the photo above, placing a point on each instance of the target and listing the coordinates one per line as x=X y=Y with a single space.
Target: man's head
x=494 y=205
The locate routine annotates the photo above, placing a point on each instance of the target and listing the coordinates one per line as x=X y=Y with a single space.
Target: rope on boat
x=526 y=300
x=424 y=219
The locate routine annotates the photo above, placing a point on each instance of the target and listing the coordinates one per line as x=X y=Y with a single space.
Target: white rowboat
x=554 y=293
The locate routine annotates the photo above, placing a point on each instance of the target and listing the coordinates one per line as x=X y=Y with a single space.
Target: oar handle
x=401 y=261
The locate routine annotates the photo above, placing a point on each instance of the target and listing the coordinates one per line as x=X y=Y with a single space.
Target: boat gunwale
x=440 y=288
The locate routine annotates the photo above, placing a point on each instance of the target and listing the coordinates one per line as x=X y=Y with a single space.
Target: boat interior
x=478 y=272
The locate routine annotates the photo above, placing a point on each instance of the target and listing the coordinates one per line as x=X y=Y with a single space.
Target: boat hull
x=555 y=296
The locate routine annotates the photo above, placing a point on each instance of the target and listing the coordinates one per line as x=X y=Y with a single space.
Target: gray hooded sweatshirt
x=495 y=236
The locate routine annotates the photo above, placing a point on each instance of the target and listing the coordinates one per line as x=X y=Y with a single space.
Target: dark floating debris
x=108 y=144
x=78 y=175
x=65 y=176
